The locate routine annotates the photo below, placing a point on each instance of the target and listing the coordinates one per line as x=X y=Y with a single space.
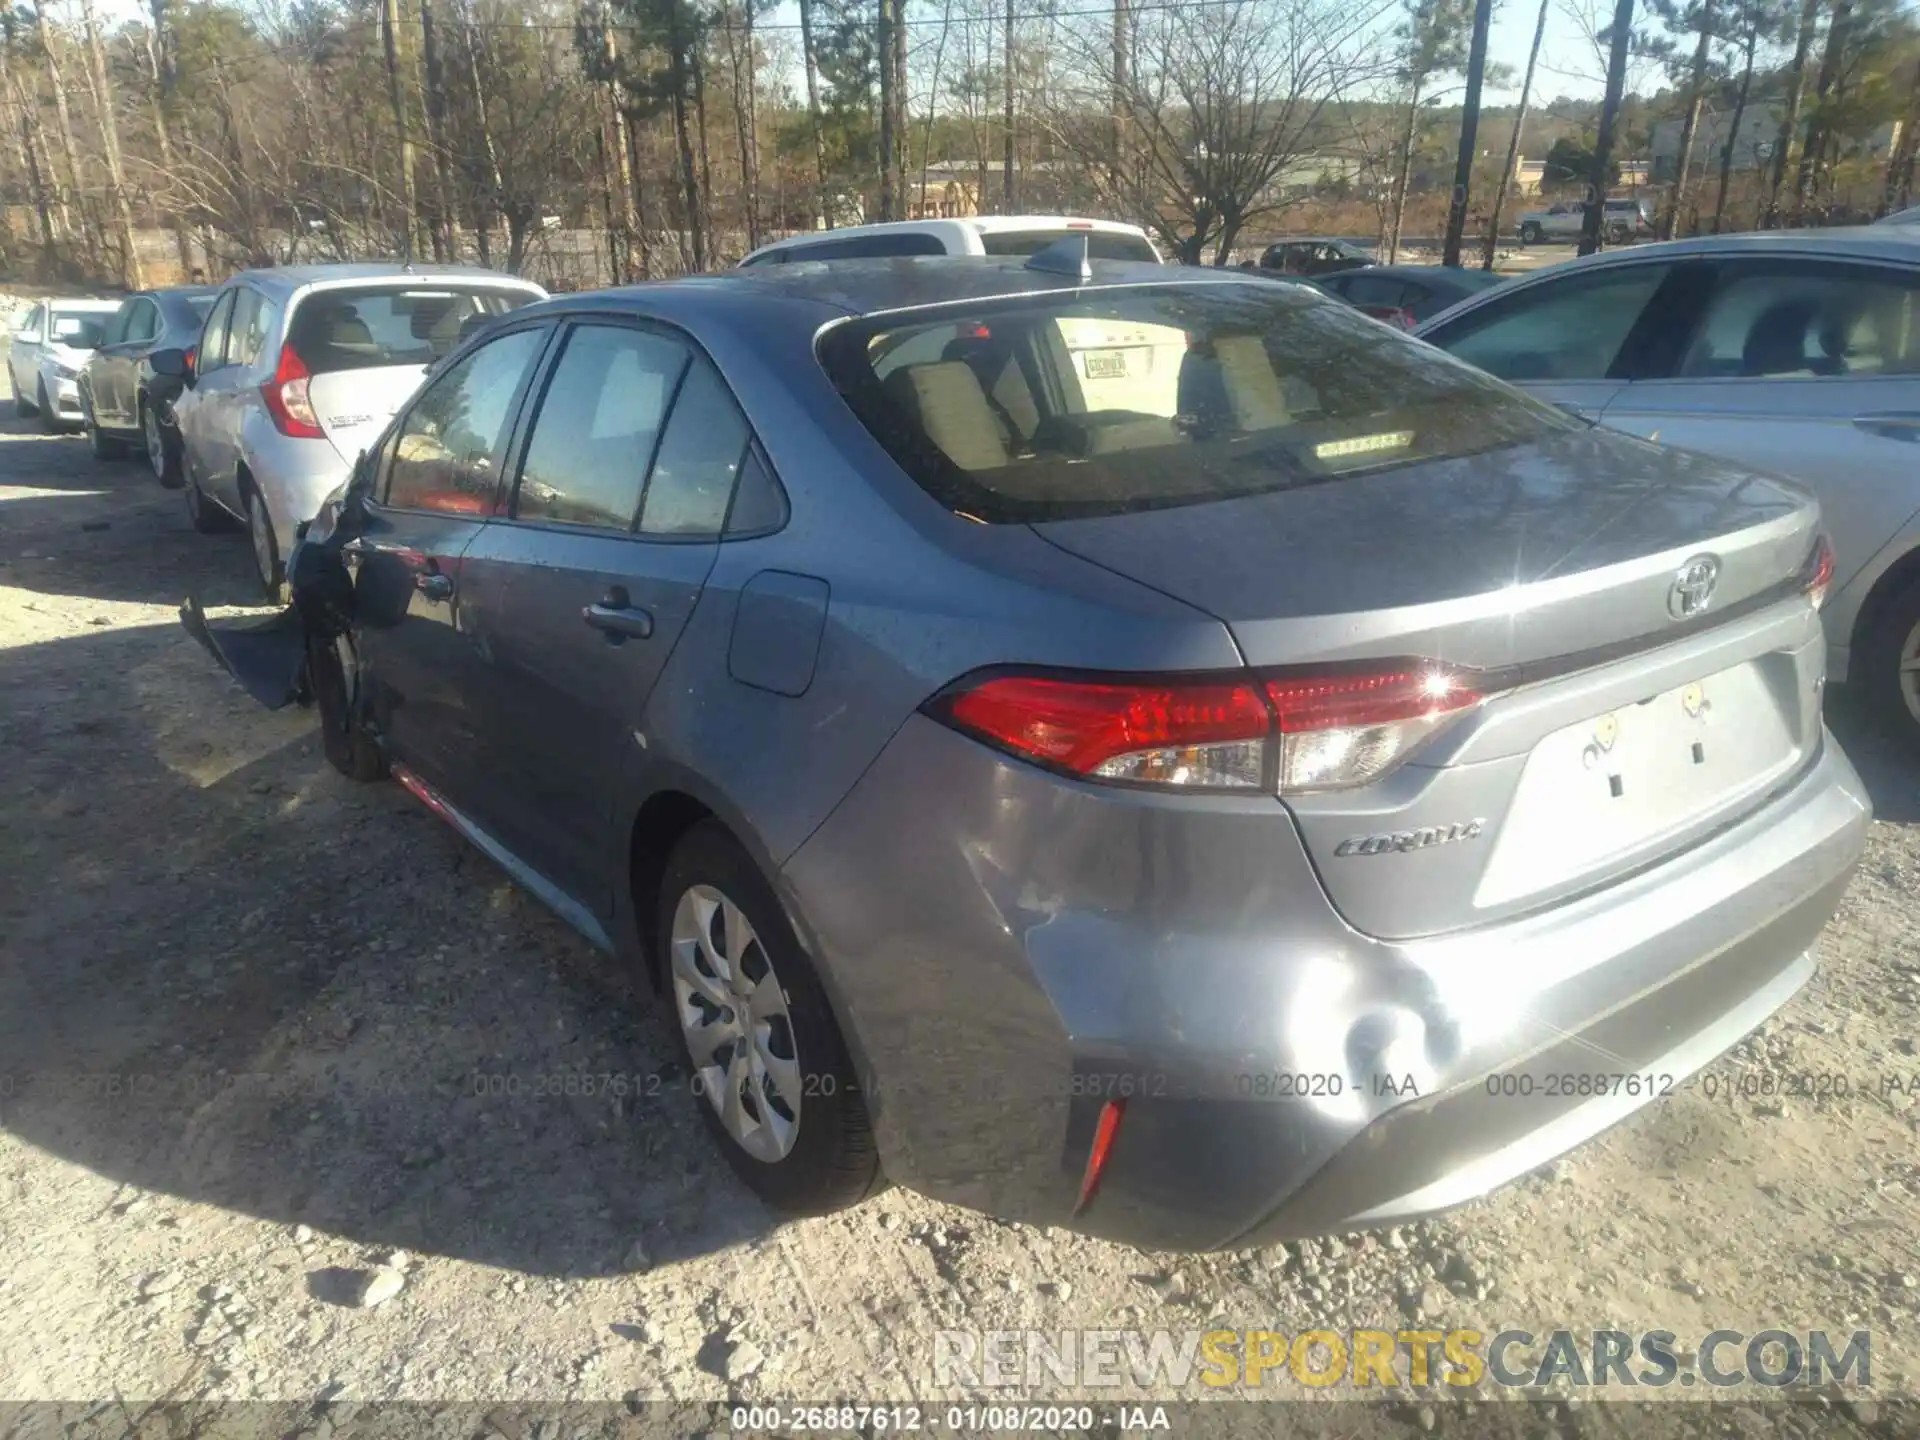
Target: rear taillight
x=1817 y=574
x=288 y=400
x=1291 y=730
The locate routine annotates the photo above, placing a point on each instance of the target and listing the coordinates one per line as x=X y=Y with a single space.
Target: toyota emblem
x=1692 y=588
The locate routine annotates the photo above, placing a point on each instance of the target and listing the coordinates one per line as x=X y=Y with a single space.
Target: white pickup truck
x=1623 y=220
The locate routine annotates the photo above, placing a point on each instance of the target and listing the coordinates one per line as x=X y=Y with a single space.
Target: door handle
x=617 y=618
x=1891 y=424
x=434 y=585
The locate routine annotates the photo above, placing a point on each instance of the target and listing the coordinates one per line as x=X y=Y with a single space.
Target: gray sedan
x=1148 y=751
x=1794 y=353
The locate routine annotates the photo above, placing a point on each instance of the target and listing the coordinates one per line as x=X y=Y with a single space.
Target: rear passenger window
x=443 y=451
x=868 y=247
x=213 y=338
x=597 y=428
x=1570 y=330
x=1781 y=321
x=699 y=457
x=248 y=334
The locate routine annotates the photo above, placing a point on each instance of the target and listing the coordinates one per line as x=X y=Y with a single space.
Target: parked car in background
x=975 y=235
x=1793 y=352
x=931 y=729
x=1908 y=216
x=114 y=385
x=296 y=369
x=1315 y=257
x=1406 y=295
x=1620 y=220
x=49 y=348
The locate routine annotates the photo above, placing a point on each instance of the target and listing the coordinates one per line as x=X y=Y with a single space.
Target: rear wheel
x=161 y=454
x=104 y=447
x=207 y=517
x=1888 y=667
x=770 y=1069
x=1530 y=234
x=266 y=549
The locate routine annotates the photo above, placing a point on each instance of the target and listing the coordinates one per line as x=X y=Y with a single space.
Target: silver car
x=49 y=348
x=1300 y=786
x=1796 y=353
x=296 y=369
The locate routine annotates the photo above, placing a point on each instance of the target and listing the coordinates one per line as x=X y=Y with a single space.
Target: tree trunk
x=888 y=141
x=1006 y=178
x=1513 y=142
x=822 y=210
x=901 y=135
x=699 y=68
x=620 y=161
x=1469 y=134
x=746 y=122
x=1751 y=43
x=1406 y=171
x=1121 y=107
x=1609 y=117
x=445 y=247
x=1814 y=151
x=166 y=81
x=1690 y=125
x=616 y=258
x=678 y=78
x=131 y=273
x=1790 y=113
x=486 y=195
x=1900 y=158
x=36 y=177
x=92 y=240
x=396 y=95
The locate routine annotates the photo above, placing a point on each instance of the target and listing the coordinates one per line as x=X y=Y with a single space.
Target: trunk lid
x=1615 y=732
x=352 y=405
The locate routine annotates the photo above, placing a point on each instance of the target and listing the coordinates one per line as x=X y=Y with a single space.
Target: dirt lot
x=250 y=1015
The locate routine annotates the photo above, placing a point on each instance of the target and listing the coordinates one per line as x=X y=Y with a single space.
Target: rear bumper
x=1009 y=950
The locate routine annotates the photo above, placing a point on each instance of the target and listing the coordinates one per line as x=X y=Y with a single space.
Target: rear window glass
x=1101 y=244
x=71 y=324
x=1099 y=403
x=359 y=329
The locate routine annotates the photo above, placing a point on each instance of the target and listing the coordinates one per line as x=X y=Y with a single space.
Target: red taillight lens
x=288 y=401
x=1817 y=574
x=1105 y=1131
x=1306 y=731
x=1210 y=734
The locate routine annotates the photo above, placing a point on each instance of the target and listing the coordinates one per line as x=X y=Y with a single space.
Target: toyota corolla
x=1240 y=774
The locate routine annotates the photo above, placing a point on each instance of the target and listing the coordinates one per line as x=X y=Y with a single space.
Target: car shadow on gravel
x=105 y=529
x=1889 y=770
x=229 y=975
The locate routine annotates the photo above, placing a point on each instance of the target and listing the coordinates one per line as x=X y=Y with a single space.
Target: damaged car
x=1295 y=789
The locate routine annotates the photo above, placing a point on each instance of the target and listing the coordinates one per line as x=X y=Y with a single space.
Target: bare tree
x=1790 y=111
x=1492 y=240
x=1469 y=132
x=1620 y=40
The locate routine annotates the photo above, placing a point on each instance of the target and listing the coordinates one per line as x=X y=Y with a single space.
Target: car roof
x=77 y=302
x=1862 y=242
x=954 y=226
x=829 y=289
x=284 y=279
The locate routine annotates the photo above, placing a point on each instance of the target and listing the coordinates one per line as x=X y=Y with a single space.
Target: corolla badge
x=1402 y=841
x=1692 y=588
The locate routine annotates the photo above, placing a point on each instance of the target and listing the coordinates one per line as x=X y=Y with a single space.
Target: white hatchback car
x=50 y=346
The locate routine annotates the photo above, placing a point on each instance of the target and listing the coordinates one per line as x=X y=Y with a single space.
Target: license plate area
x=1615 y=787
x=1106 y=364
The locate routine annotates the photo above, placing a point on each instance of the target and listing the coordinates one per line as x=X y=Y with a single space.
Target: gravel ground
x=250 y=1015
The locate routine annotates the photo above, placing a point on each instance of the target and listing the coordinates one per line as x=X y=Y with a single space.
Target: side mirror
x=172 y=364
x=29 y=336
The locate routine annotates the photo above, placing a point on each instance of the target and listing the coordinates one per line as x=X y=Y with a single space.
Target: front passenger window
x=1570 y=330
x=443 y=451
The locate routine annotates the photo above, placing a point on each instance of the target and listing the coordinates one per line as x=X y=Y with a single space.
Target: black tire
x=833 y=1163
x=263 y=544
x=104 y=447
x=344 y=738
x=49 y=421
x=1876 y=667
x=22 y=407
x=1530 y=234
x=207 y=517
x=165 y=464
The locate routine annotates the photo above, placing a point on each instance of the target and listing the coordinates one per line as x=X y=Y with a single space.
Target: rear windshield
x=1083 y=403
x=359 y=329
x=1101 y=244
